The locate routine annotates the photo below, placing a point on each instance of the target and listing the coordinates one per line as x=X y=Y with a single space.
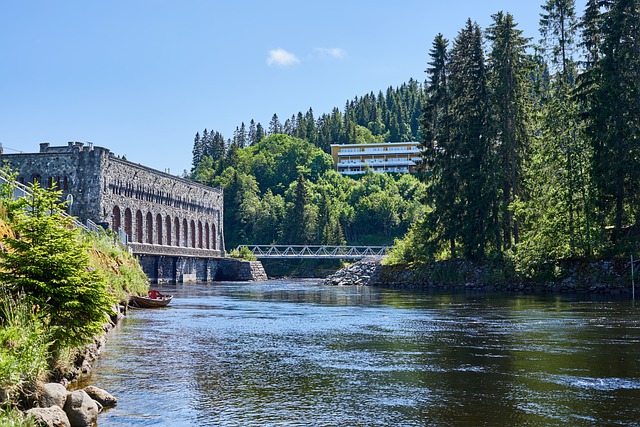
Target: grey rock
x=49 y=417
x=52 y=394
x=81 y=409
x=101 y=396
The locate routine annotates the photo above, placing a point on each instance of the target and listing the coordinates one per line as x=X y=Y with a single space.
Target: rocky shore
x=610 y=277
x=56 y=406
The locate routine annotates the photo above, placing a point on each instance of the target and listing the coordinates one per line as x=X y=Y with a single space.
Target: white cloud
x=282 y=57
x=334 y=52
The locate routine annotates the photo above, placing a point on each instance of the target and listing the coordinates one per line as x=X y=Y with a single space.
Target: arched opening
x=185 y=233
x=139 y=227
x=159 y=229
x=149 y=228
x=207 y=242
x=168 y=226
x=128 y=224
x=115 y=219
x=177 y=227
x=36 y=178
x=200 y=234
x=213 y=236
x=193 y=234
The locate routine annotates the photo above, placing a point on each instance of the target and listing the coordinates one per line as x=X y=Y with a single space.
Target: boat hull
x=146 y=302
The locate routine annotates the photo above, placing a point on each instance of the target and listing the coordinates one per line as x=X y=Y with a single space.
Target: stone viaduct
x=172 y=224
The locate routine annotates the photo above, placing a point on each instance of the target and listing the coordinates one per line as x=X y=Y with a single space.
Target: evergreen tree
x=49 y=263
x=252 y=132
x=299 y=220
x=198 y=149
x=274 y=125
x=473 y=214
x=613 y=116
x=260 y=133
x=510 y=88
x=437 y=156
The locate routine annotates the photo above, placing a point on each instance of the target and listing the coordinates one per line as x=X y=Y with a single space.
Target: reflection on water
x=293 y=353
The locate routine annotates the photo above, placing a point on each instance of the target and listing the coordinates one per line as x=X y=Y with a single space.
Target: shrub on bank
x=58 y=287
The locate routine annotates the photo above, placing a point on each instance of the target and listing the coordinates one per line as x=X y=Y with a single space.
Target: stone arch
x=149 y=227
x=115 y=219
x=200 y=234
x=167 y=223
x=159 y=229
x=139 y=227
x=193 y=234
x=207 y=239
x=177 y=227
x=128 y=224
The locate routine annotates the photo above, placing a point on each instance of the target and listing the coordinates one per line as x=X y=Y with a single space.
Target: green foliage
x=284 y=190
x=48 y=262
x=24 y=347
x=15 y=418
x=244 y=253
x=123 y=274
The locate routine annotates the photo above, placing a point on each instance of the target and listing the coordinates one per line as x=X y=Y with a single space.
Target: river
x=294 y=353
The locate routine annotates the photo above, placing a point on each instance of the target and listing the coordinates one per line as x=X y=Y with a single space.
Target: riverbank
x=611 y=277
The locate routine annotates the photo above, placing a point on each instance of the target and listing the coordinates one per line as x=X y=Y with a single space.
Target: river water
x=294 y=353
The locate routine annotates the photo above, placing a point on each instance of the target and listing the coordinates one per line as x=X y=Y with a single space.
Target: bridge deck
x=315 y=251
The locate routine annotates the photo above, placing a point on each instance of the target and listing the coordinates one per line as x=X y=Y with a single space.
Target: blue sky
x=141 y=77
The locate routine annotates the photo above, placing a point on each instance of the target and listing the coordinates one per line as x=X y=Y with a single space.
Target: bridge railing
x=21 y=190
x=315 y=251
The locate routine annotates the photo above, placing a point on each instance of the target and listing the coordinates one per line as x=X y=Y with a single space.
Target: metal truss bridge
x=317 y=251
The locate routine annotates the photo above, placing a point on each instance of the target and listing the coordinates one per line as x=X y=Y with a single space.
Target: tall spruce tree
x=613 y=116
x=470 y=136
x=510 y=89
x=438 y=154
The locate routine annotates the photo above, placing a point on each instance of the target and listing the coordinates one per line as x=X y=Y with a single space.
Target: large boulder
x=52 y=394
x=49 y=417
x=101 y=396
x=81 y=409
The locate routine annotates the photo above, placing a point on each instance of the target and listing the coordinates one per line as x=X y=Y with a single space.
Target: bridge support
x=181 y=269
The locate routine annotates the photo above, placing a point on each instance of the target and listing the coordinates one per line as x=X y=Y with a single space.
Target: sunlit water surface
x=294 y=353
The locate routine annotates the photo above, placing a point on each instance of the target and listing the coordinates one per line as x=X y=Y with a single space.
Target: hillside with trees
x=530 y=149
x=284 y=190
x=533 y=157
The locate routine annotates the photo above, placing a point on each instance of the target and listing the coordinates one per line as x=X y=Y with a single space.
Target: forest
x=530 y=150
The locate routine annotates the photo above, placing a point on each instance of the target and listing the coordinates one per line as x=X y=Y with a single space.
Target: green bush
x=244 y=253
x=49 y=262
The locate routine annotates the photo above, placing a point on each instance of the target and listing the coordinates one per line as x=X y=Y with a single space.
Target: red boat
x=155 y=299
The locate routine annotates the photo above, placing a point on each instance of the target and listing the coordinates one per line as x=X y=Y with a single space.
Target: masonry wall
x=149 y=206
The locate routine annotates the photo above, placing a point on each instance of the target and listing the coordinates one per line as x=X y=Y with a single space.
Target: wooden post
x=633 y=283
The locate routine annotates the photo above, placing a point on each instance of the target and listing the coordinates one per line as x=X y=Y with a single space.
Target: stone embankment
x=365 y=272
x=57 y=407
x=610 y=277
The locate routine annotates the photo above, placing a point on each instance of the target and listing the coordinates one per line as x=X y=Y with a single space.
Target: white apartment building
x=392 y=157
